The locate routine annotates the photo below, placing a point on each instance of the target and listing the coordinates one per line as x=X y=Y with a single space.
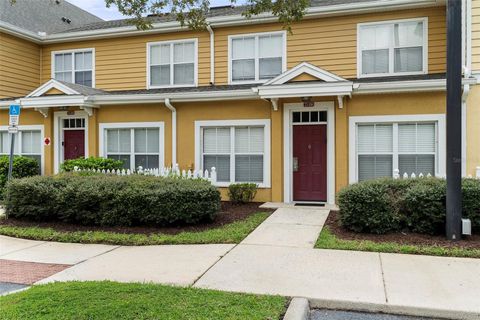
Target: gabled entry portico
x=308 y=129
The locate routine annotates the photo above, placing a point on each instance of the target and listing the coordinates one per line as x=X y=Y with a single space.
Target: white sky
x=98 y=8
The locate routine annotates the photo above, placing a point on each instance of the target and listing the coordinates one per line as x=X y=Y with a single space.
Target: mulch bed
x=404 y=238
x=229 y=213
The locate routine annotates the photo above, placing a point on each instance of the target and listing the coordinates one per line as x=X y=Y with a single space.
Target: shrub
x=96 y=163
x=367 y=207
x=22 y=167
x=242 y=192
x=111 y=200
x=416 y=205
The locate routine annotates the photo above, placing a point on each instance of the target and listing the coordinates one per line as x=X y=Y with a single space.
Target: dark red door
x=73 y=144
x=310 y=153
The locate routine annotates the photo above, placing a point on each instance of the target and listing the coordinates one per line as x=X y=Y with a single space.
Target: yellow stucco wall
x=330 y=43
x=19 y=66
x=473 y=130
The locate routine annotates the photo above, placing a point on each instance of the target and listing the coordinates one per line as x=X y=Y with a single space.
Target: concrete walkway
x=278 y=258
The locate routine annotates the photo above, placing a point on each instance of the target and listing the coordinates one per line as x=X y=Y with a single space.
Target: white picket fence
x=397 y=175
x=162 y=172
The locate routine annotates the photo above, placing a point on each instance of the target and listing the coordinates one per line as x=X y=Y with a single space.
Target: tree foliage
x=194 y=13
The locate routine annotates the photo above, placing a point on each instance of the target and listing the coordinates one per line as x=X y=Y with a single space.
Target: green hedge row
x=96 y=163
x=110 y=200
x=416 y=205
x=22 y=167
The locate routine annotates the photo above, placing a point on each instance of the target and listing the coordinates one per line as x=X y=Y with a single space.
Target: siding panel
x=19 y=66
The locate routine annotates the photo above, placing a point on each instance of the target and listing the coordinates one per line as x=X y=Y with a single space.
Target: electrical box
x=466 y=227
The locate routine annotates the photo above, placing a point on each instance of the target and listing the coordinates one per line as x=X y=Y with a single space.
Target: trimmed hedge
x=415 y=205
x=22 y=167
x=96 y=163
x=242 y=192
x=110 y=200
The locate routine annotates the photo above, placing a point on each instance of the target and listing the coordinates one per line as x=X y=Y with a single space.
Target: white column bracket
x=88 y=110
x=274 y=102
x=43 y=111
x=340 y=102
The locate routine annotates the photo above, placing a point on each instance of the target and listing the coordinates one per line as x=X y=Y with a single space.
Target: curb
x=298 y=309
x=394 y=309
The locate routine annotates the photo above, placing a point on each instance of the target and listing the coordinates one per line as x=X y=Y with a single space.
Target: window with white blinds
x=172 y=63
x=409 y=147
x=75 y=66
x=256 y=57
x=389 y=48
x=135 y=147
x=28 y=143
x=236 y=152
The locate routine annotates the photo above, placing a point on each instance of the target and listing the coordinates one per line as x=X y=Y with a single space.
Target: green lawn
x=327 y=240
x=110 y=300
x=231 y=233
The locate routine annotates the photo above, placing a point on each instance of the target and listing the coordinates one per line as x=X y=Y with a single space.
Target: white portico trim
x=288 y=109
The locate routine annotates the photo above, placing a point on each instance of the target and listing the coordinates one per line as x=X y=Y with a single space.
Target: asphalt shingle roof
x=214 y=12
x=45 y=15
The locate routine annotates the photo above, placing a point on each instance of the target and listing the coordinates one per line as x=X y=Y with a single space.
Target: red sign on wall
x=47 y=141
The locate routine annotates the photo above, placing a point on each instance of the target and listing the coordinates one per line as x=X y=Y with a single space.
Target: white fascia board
x=404 y=86
x=52 y=84
x=234 y=20
x=306 y=90
x=302 y=68
x=54 y=101
x=20 y=32
x=246 y=94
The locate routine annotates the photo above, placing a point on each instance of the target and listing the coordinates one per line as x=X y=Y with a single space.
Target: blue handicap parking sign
x=14 y=110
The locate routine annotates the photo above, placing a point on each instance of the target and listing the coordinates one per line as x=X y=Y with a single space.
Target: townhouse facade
x=356 y=91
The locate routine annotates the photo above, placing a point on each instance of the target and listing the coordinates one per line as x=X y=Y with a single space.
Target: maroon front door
x=73 y=144
x=310 y=162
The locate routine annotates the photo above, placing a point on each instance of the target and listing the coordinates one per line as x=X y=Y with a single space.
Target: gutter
x=221 y=21
x=174 y=131
x=212 y=54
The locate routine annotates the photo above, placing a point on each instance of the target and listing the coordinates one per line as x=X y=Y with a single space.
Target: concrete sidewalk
x=278 y=258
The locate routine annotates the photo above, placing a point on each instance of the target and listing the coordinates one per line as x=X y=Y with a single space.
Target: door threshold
x=309 y=204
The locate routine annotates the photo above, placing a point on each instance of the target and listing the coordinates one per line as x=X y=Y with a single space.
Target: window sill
x=226 y=184
x=173 y=86
x=398 y=74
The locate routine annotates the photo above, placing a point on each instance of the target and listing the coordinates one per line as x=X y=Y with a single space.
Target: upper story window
x=257 y=57
x=76 y=66
x=172 y=63
x=392 y=48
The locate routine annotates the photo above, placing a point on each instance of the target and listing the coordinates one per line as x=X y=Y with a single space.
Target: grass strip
x=111 y=300
x=233 y=232
x=327 y=240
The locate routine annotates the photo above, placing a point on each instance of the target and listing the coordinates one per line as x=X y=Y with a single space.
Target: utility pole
x=454 y=120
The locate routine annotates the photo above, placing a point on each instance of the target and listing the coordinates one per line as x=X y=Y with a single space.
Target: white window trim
x=133 y=125
x=18 y=141
x=257 y=70
x=391 y=54
x=195 y=63
x=288 y=110
x=73 y=51
x=235 y=123
x=441 y=136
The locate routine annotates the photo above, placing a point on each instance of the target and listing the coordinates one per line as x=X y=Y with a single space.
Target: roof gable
x=304 y=72
x=52 y=87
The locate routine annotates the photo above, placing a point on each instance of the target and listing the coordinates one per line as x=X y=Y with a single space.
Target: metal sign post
x=14 y=113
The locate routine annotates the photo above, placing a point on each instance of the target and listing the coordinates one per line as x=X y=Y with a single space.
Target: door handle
x=295 y=164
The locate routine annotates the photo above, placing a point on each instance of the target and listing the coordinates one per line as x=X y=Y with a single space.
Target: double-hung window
x=239 y=152
x=172 y=63
x=135 y=145
x=392 y=48
x=257 y=57
x=75 y=66
x=409 y=147
x=28 y=144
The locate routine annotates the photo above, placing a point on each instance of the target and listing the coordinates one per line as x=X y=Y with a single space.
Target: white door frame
x=58 y=150
x=288 y=108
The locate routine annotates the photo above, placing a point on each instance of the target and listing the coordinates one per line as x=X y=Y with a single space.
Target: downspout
x=466 y=74
x=212 y=55
x=174 y=131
